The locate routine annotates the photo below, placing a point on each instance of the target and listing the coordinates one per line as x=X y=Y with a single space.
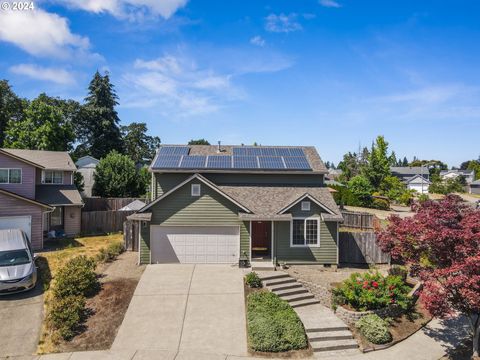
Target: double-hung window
x=52 y=177
x=305 y=232
x=10 y=176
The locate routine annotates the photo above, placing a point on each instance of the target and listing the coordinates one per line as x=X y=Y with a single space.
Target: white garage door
x=17 y=222
x=195 y=244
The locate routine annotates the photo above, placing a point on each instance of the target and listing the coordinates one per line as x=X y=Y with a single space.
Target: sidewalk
x=430 y=343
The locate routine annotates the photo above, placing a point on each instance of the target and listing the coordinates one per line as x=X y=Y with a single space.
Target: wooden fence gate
x=360 y=248
x=130 y=235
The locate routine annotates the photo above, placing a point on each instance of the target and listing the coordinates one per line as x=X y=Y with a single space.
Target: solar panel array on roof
x=167 y=161
x=255 y=158
x=245 y=162
x=267 y=151
x=219 y=162
x=296 y=162
x=193 y=161
x=174 y=150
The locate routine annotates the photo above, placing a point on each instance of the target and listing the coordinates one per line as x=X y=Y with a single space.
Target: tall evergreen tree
x=378 y=167
x=11 y=108
x=98 y=130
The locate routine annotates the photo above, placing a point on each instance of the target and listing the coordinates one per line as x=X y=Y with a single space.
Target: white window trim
x=8 y=176
x=305 y=205
x=196 y=190
x=317 y=218
x=52 y=183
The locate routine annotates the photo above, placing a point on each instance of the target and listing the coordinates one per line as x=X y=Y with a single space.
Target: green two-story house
x=218 y=204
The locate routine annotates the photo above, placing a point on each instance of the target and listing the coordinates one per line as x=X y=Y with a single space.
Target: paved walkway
x=21 y=318
x=186 y=308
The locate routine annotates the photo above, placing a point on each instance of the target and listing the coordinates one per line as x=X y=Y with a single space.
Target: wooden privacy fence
x=130 y=235
x=360 y=220
x=101 y=222
x=107 y=204
x=360 y=248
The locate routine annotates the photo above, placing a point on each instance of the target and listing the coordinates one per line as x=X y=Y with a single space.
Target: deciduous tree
x=137 y=144
x=11 y=108
x=441 y=244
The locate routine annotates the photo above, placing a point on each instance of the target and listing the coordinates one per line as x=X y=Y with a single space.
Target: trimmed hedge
x=273 y=325
x=374 y=328
x=66 y=314
x=252 y=280
x=76 y=277
x=111 y=252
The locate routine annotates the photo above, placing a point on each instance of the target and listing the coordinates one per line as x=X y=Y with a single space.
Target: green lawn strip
x=273 y=325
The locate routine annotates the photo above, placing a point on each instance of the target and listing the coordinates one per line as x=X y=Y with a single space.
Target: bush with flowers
x=372 y=291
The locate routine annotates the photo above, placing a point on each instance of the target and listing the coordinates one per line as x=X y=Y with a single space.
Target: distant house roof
x=409 y=170
x=457 y=171
x=133 y=206
x=418 y=179
x=311 y=154
x=53 y=160
x=87 y=162
x=58 y=195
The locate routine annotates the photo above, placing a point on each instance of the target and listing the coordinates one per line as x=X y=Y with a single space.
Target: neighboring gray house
x=221 y=204
x=86 y=166
x=474 y=187
x=37 y=194
x=415 y=177
x=452 y=174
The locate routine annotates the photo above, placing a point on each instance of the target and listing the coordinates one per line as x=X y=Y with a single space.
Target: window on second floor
x=52 y=177
x=10 y=176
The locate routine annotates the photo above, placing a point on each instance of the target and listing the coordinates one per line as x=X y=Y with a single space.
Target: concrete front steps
x=327 y=334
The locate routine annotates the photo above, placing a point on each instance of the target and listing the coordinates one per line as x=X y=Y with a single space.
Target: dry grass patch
x=56 y=253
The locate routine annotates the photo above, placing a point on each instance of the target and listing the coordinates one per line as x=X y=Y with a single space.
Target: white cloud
x=40 y=33
x=130 y=9
x=257 y=40
x=282 y=23
x=329 y=3
x=56 y=75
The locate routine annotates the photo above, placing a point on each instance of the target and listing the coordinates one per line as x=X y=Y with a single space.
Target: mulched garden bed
x=401 y=328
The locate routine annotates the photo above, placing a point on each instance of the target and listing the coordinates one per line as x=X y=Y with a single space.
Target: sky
x=329 y=73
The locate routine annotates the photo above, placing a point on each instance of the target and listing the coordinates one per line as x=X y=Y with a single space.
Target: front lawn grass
x=272 y=324
x=56 y=253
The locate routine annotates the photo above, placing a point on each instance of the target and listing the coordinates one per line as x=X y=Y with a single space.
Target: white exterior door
x=17 y=222
x=195 y=244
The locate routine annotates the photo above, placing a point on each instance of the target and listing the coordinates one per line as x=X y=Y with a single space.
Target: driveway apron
x=185 y=308
x=21 y=318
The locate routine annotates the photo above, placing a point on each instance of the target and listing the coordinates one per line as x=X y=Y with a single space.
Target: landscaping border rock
x=351 y=317
x=321 y=293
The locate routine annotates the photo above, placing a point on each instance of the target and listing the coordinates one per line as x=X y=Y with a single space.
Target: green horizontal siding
x=182 y=209
x=166 y=182
x=326 y=253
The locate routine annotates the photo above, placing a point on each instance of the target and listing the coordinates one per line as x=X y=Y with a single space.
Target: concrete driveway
x=185 y=309
x=21 y=320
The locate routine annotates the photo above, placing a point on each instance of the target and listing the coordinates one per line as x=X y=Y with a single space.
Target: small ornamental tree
x=441 y=243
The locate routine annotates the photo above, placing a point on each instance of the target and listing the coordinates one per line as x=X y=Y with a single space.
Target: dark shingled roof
x=58 y=195
x=55 y=160
x=270 y=200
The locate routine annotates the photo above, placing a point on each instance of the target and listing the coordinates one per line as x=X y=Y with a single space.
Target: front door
x=261 y=240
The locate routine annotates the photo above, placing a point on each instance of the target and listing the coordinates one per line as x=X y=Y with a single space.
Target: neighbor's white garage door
x=17 y=222
x=195 y=244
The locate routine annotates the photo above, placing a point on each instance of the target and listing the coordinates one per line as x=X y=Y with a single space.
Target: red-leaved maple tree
x=441 y=244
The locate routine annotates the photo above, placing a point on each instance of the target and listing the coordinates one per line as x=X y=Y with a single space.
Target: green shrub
x=372 y=291
x=374 y=328
x=111 y=252
x=65 y=314
x=252 y=280
x=76 y=277
x=380 y=204
x=273 y=325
